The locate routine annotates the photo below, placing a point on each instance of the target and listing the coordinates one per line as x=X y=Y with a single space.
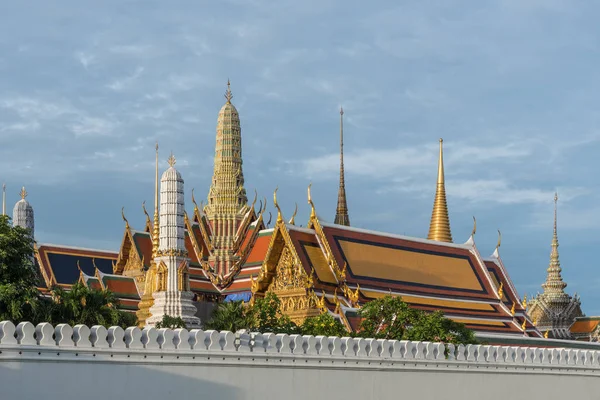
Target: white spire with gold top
x=172 y=295
x=23 y=213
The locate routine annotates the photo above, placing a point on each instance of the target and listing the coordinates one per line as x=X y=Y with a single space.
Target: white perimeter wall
x=66 y=363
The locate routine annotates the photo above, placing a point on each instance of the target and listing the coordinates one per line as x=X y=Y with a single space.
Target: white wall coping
x=44 y=342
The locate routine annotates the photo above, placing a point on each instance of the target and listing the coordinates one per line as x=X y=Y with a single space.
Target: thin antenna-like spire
x=4 y=199
x=341 y=212
x=155 y=227
x=439 y=228
x=554 y=283
x=228 y=95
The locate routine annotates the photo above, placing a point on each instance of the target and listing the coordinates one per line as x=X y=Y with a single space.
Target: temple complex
x=223 y=251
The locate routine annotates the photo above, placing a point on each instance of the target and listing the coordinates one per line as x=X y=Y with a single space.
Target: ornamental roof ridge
x=396 y=236
x=62 y=246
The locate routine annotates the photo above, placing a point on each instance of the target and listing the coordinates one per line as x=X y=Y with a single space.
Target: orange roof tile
x=585 y=325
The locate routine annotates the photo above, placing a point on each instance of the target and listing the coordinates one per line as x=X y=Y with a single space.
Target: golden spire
x=23 y=193
x=341 y=212
x=155 y=226
x=4 y=199
x=439 y=229
x=228 y=95
x=554 y=284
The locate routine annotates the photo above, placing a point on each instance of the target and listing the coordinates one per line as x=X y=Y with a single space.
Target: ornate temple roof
x=61 y=265
x=345 y=266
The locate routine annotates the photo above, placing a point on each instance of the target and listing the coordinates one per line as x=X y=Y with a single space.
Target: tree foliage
x=19 y=298
x=170 y=322
x=82 y=305
x=231 y=316
x=21 y=301
x=391 y=318
x=265 y=315
x=324 y=324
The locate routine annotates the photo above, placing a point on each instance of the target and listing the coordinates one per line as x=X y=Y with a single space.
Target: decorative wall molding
x=63 y=342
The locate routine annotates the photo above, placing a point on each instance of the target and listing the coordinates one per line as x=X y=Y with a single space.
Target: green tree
x=391 y=318
x=386 y=318
x=19 y=298
x=82 y=305
x=170 y=322
x=265 y=316
x=324 y=324
x=231 y=316
x=434 y=327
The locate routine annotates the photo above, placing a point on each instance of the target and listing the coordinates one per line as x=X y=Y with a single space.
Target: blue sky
x=511 y=86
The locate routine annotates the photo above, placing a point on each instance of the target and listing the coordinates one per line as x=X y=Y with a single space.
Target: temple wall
x=44 y=362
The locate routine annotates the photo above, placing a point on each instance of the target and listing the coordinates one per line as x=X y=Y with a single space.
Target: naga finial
x=499 y=240
x=513 y=309
x=474 y=231
x=254 y=201
x=148 y=222
x=313 y=213
x=194 y=201
x=524 y=325
x=279 y=216
x=293 y=219
x=501 y=290
x=123 y=216
x=270 y=217
x=546 y=334
x=524 y=304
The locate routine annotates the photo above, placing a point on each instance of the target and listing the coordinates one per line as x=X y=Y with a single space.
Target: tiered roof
x=64 y=266
x=353 y=266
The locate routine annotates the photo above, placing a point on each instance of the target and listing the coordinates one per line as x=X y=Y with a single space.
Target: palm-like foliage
x=82 y=305
x=231 y=316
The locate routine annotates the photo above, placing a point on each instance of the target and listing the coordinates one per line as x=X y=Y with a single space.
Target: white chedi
x=23 y=213
x=172 y=296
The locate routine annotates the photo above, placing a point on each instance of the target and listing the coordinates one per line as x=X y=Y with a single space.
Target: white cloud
x=85 y=59
x=21 y=126
x=29 y=107
x=123 y=83
x=131 y=49
x=92 y=126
